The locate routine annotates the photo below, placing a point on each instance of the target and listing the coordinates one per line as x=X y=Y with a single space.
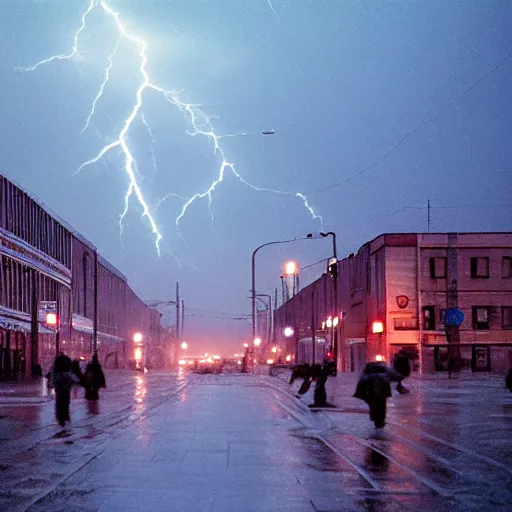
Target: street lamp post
x=335 y=287
x=270 y=315
x=253 y=274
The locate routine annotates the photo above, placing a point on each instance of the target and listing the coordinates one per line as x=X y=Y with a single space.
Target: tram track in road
x=102 y=422
x=400 y=446
x=82 y=432
x=470 y=453
x=374 y=486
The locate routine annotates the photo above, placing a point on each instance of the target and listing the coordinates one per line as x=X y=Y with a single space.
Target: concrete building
x=402 y=285
x=44 y=263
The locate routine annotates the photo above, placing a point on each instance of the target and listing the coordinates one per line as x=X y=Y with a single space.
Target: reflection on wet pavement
x=244 y=442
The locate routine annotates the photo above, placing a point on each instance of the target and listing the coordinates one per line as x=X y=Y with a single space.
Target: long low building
x=46 y=267
x=445 y=298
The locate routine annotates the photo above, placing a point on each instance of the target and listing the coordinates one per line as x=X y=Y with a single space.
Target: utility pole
x=313 y=327
x=95 y=305
x=178 y=337
x=34 y=327
x=452 y=302
x=182 y=316
x=428 y=216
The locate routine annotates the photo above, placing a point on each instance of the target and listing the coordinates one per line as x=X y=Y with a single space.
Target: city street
x=235 y=442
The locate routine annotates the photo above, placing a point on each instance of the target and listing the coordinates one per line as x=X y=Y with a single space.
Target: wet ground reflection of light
x=141 y=389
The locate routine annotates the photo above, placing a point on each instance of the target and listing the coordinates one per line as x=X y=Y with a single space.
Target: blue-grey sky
x=341 y=82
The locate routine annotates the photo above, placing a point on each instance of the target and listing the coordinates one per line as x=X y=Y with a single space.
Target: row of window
x=478 y=267
x=16 y=286
x=482 y=317
x=22 y=216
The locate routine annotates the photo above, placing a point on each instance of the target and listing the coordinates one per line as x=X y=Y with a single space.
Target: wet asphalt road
x=245 y=443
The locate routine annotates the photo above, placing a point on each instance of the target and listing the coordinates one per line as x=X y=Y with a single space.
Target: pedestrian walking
x=62 y=379
x=94 y=380
x=402 y=365
x=77 y=372
x=374 y=388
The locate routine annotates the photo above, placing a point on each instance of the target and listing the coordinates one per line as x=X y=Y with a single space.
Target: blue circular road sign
x=453 y=317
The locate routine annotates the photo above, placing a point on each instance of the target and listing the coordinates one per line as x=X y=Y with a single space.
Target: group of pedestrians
x=67 y=375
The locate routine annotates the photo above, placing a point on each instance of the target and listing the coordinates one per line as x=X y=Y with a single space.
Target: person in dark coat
x=402 y=365
x=374 y=388
x=94 y=379
x=62 y=380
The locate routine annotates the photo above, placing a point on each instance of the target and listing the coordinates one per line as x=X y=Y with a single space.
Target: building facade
x=47 y=266
x=394 y=294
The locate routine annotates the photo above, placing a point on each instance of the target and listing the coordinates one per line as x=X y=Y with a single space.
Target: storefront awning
x=11 y=324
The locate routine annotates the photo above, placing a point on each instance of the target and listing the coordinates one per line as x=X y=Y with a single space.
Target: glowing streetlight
x=274 y=350
x=184 y=345
x=291 y=268
x=137 y=337
x=246 y=345
x=257 y=342
x=288 y=332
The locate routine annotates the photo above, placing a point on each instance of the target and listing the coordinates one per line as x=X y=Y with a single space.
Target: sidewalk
x=224 y=446
x=35 y=390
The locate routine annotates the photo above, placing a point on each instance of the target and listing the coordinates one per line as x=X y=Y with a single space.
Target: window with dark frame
x=506 y=267
x=437 y=268
x=479 y=268
x=406 y=324
x=506 y=317
x=481 y=318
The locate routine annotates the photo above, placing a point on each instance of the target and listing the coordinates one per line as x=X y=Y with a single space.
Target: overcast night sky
x=340 y=81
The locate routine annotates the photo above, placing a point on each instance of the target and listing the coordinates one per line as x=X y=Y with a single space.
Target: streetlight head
x=137 y=337
x=323 y=234
x=288 y=332
x=291 y=268
x=184 y=345
x=257 y=342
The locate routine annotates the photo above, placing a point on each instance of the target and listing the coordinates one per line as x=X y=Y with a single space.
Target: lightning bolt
x=273 y=10
x=200 y=125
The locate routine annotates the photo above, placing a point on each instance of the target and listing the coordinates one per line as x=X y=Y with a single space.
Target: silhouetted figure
x=374 y=388
x=319 y=374
x=94 y=379
x=402 y=365
x=508 y=380
x=62 y=380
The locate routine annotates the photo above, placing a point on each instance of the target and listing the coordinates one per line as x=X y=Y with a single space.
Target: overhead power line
x=414 y=130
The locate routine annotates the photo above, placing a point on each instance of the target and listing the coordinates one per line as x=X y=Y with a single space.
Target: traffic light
x=333 y=269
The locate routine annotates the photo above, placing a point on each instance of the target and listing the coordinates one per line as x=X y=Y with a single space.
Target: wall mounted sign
x=402 y=301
